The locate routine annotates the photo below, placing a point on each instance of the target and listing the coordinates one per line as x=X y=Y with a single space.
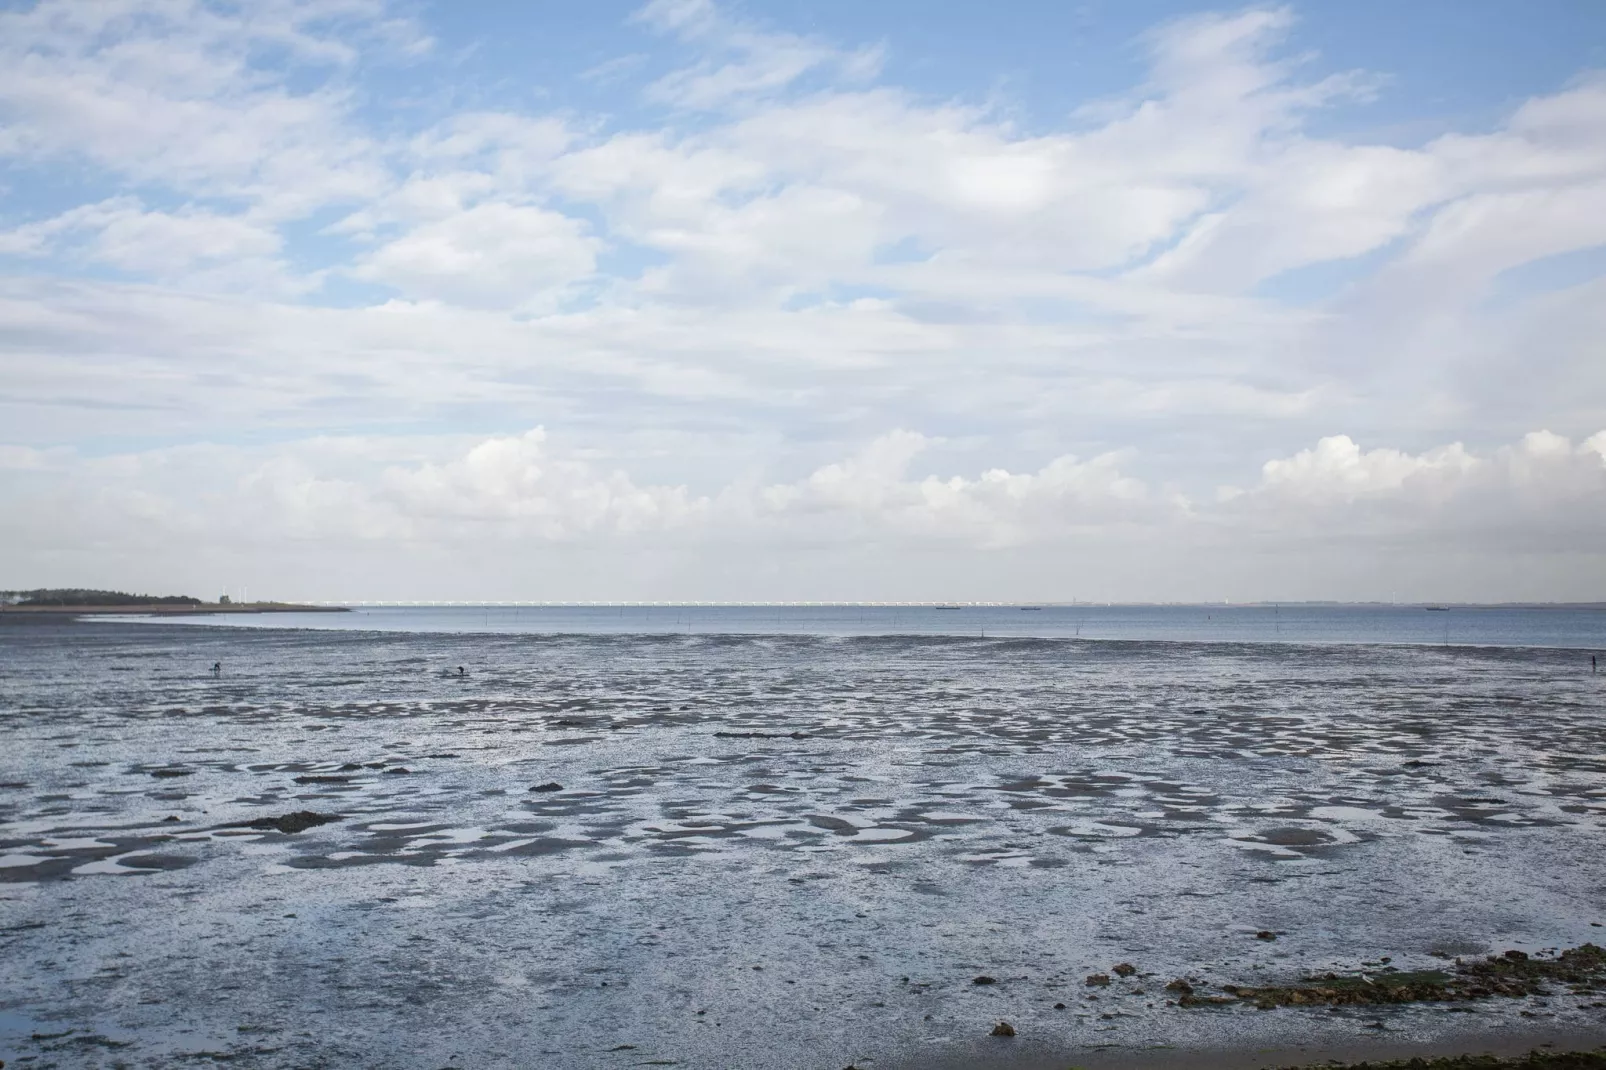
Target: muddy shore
x=599 y=852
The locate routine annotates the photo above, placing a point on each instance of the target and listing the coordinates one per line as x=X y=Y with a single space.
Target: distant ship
x=1029 y=609
x=1437 y=609
x=947 y=607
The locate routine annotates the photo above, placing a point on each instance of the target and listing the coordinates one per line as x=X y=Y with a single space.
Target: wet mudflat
x=611 y=851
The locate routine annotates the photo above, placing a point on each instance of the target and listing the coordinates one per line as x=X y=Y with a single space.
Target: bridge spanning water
x=674 y=604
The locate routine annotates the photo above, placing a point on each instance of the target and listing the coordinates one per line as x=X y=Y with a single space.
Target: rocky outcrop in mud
x=299 y=821
x=1582 y=970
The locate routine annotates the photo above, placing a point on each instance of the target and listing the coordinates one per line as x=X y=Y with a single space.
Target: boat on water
x=1029 y=609
x=1437 y=609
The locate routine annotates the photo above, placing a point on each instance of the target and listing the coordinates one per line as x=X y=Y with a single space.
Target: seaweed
x=1514 y=974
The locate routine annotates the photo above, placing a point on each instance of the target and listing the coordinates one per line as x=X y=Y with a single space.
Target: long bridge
x=428 y=603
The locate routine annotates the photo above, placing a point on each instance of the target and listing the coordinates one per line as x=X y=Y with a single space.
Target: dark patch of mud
x=156 y=861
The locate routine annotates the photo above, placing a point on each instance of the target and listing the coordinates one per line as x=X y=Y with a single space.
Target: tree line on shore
x=76 y=596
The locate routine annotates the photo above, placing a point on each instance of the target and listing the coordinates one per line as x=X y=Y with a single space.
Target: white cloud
x=515 y=479
x=1338 y=468
x=20 y=458
x=171 y=93
x=124 y=234
x=747 y=63
x=1541 y=493
x=489 y=256
x=506 y=509
x=996 y=508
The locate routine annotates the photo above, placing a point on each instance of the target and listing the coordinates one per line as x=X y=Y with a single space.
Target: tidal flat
x=708 y=851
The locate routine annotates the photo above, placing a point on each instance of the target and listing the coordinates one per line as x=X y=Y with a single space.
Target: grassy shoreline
x=164 y=610
x=1534 y=1060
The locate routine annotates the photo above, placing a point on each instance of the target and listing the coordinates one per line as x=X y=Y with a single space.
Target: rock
x=299 y=821
x=172 y=818
x=984 y=980
x=351 y=767
x=164 y=773
x=762 y=735
x=1059 y=1006
x=398 y=769
x=1124 y=969
x=1265 y=934
x=1101 y=980
x=1003 y=1029
x=1179 y=985
x=551 y=785
x=310 y=779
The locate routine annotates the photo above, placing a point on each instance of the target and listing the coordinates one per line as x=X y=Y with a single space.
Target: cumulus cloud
x=874 y=491
x=515 y=479
x=1540 y=493
x=458 y=490
x=510 y=508
x=1338 y=469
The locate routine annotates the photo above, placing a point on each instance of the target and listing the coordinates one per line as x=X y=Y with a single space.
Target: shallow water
x=1575 y=627
x=787 y=851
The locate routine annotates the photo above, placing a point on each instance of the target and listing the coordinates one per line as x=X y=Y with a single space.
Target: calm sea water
x=780 y=838
x=1497 y=626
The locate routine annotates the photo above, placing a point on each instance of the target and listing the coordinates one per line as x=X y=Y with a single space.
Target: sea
x=786 y=836
x=1517 y=626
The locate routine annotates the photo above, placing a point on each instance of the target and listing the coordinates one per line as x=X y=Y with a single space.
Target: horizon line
x=904 y=603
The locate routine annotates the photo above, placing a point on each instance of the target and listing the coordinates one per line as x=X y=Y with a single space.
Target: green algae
x=1582 y=970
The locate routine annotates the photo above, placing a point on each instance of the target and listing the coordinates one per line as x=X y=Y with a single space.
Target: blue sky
x=346 y=298
x=1448 y=63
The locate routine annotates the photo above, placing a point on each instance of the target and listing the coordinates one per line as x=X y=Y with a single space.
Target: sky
x=1160 y=301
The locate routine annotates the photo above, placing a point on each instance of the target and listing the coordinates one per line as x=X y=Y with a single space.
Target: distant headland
x=77 y=601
